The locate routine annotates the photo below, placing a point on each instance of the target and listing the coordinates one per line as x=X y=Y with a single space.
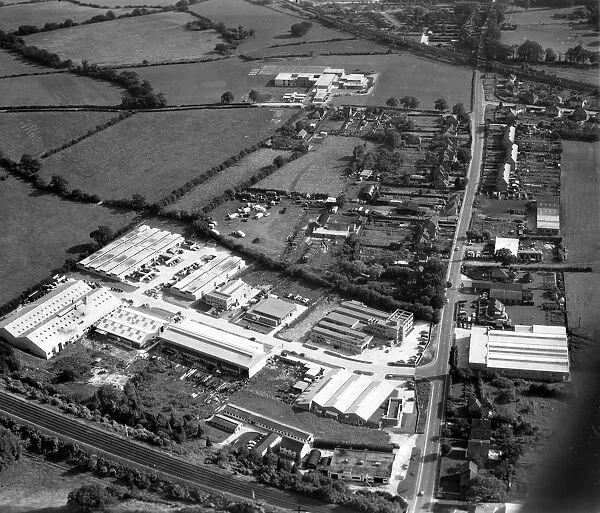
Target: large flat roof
x=375 y=464
x=272 y=307
x=507 y=243
x=203 y=278
x=130 y=324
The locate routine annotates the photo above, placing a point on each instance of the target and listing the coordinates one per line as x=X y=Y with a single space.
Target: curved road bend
x=437 y=370
x=155 y=460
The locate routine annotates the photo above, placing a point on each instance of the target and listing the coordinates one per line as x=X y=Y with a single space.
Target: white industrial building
x=130 y=252
x=229 y=295
x=530 y=352
x=511 y=244
x=130 y=326
x=548 y=214
x=206 y=278
x=48 y=325
x=223 y=349
x=347 y=397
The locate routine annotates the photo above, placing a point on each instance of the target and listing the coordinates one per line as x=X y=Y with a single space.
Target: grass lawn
x=40 y=231
x=13 y=16
x=271 y=26
x=153 y=153
x=37 y=132
x=321 y=170
x=155 y=38
x=228 y=178
x=323 y=428
x=13 y=65
x=57 y=89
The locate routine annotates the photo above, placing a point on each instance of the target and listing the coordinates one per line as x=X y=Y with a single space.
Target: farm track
x=152 y=459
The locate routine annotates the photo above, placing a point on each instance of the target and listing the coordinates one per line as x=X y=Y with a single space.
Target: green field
x=226 y=179
x=12 y=16
x=40 y=231
x=152 y=154
x=37 y=132
x=324 y=47
x=271 y=26
x=321 y=170
x=203 y=82
x=155 y=38
x=57 y=89
x=12 y=65
x=538 y=24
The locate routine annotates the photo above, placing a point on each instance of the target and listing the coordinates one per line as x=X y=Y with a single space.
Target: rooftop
x=375 y=464
x=130 y=324
x=507 y=243
x=272 y=307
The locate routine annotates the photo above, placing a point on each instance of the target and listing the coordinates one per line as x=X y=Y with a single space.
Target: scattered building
x=530 y=352
x=46 y=326
x=225 y=350
x=229 y=296
x=131 y=252
x=368 y=467
x=271 y=312
x=130 y=326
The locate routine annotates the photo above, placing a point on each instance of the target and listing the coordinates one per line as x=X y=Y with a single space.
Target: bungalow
x=408 y=208
x=496 y=310
x=468 y=472
x=479 y=408
x=427 y=230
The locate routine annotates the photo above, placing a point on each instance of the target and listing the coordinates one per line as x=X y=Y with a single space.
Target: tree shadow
x=80 y=248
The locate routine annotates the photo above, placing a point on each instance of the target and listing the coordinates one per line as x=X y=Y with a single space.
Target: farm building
x=130 y=252
x=507 y=243
x=130 y=326
x=347 y=397
x=530 y=352
x=396 y=325
x=271 y=312
x=203 y=280
x=220 y=348
x=229 y=295
x=548 y=215
x=368 y=467
x=46 y=326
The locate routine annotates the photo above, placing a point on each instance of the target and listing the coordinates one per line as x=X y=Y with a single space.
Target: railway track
x=154 y=460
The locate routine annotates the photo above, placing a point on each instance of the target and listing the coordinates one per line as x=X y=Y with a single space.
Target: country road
x=205 y=477
x=437 y=370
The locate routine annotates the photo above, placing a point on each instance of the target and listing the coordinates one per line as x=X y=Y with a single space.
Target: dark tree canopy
x=10 y=448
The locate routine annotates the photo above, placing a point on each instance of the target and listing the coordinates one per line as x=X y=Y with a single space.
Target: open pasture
x=320 y=170
x=112 y=4
x=38 y=132
x=57 y=89
x=203 y=82
x=12 y=65
x=40 y=13
x=227 y=179
x=539 y=24
x=322 y=47
x=39 y=231
x=154 y=38
x=153 y=153
x=271 y=26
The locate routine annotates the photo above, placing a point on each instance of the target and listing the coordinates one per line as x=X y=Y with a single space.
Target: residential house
x=553 y=110
x=579 y=114
x=468 y=472
x=529 y=97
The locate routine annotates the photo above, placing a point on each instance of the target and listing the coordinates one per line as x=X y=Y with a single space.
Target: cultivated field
x=12 y=16
x=227 y=179
x=539 y=25
x=154 y=38
x=271 y=26
x=203 y=82
x=323 y=48
x=12 y=65
x=57 y=89
x=38 y=132
x=152 y=154
x=321 y=170
x=44 y=233
x=111 y=4
x=585 y=74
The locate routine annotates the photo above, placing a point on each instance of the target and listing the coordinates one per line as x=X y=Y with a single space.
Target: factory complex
x=530 y=352
x=130 y=327
x=46 y=326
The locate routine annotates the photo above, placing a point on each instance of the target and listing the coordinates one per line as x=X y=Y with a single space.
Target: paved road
x=207 y=478
x=437 y=370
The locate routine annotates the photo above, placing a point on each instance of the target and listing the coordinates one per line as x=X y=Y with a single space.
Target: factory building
x=348 y=397
x=223 y=349
x=270 y=311
x=207 y=277
x=130 y=252
x=529 y=352
x=340 y=337
x=46 y=326
x=229 y=296
x=367 y=467
x=548 y=215
x=130 y=326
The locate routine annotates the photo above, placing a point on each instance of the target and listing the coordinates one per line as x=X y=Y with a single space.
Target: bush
x=10 y=448
x=89 y=498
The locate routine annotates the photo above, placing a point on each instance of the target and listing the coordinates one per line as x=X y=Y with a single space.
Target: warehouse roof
x=507 y=243
x=202 y=279
x=272 y=307
x=130 y=324
x=341 y=319
x=375 y=464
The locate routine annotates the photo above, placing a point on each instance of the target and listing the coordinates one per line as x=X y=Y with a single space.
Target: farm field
x=227 y=179
x=203 y=82
x=270 y=25
x=323 y=47
x=152 y=154
x=45 y=232
x=538 y=24
x=12 y=65
x=57 y=89
x=154 y=38
x=38 y=132
x=40 y=13
x=321 y=170
x=588 y=75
